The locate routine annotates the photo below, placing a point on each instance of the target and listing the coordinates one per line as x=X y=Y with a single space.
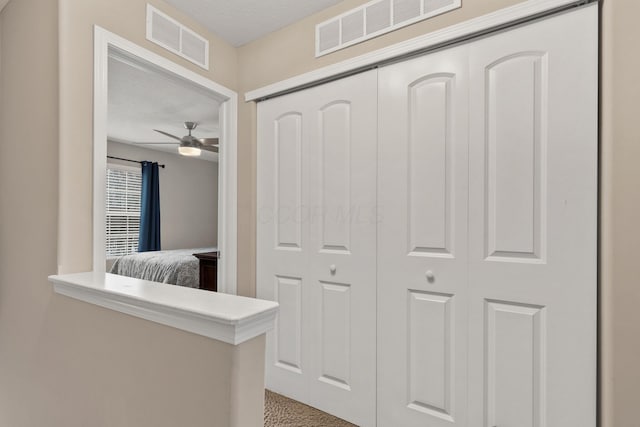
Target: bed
x=177 y=267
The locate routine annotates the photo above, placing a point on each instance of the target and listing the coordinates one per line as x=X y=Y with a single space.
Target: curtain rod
x=129 y=160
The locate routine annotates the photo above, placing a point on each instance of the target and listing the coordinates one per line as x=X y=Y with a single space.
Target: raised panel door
x=422 y=241
x=317 y=244
x=532 y=229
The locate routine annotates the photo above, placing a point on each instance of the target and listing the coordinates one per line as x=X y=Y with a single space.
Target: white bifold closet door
x=422 y=241
x=446 y=205
x=487 y=233
x=316 y=242
x=533 y=224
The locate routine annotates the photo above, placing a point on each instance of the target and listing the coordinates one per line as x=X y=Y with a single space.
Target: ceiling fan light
x=189 y=151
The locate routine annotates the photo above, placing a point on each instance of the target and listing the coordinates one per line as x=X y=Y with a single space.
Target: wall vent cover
x=375 y=18
x=177 y=38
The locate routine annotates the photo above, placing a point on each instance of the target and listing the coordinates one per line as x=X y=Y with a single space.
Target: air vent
x=352 y=26
x=375 y=18
x=177 y=38
x=406 y=10
x=329 y=36
x=378 y=16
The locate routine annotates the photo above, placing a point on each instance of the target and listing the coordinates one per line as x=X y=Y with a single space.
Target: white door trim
x=481 y=24
x=227 y=182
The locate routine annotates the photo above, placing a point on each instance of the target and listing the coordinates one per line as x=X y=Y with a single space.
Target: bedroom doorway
x=145 y=108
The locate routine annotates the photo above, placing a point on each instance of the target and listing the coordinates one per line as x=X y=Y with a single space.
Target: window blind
x=123 y=210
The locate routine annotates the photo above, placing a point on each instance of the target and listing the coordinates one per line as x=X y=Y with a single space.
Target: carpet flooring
x=280 y=411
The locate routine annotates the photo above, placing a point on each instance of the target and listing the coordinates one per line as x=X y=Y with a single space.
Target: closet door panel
x=317 y=244
x=334 y=173
x=515 y=141
x=430 y=165
x=342 y=190
x=533 y=205
x=430 y=349
x=288 y=334
x=422 y=241
x=288 y=176
x=283 y=241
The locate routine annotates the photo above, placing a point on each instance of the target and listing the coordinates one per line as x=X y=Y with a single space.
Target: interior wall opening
x=164 y=145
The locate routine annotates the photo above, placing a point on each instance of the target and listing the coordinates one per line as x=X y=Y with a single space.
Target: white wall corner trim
x=228 y=318
x=494 y=20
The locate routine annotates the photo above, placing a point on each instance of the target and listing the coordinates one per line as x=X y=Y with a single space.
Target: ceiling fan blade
x=209 y=141
x=156 y=143
x=168 y=134
x=209 y=148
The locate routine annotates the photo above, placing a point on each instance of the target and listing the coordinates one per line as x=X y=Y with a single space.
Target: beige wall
x=65 y=363
x=126 y=18
x=28 y=196
x=620 y=211
x=188 y=195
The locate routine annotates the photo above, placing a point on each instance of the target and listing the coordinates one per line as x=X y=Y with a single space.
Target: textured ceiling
x=241 y=21
x=141 y=100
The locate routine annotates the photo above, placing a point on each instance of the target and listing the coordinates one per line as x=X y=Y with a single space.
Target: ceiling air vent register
x=375 y=18
x=177 y=38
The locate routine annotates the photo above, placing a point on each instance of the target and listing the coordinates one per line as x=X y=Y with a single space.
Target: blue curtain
x=149 y=239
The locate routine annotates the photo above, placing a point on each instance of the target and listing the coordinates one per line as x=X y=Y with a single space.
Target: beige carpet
x=280 y=411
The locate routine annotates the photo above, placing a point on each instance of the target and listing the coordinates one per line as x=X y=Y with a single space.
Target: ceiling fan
x=189 y=145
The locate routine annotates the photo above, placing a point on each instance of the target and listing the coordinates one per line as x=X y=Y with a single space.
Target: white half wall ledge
x=223 y=317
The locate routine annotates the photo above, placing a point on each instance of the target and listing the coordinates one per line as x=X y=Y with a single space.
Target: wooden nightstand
x=208 y=270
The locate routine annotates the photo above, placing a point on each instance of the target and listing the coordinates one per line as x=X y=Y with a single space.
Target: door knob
x=430 y=276
x=332 y=268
